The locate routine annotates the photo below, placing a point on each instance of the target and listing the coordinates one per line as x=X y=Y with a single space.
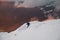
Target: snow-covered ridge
x=46 y=30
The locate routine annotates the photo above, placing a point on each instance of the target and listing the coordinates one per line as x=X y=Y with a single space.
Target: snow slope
x=50 y=30
x=46 y=30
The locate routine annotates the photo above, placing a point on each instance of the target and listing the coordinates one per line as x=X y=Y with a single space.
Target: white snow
x=46 y=30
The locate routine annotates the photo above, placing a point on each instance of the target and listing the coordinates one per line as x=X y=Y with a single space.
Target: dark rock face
x=11 y=18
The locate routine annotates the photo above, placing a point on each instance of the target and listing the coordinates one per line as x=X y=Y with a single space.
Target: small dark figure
x=28 y=24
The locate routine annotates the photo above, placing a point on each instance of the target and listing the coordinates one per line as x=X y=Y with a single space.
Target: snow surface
x=46 y=30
